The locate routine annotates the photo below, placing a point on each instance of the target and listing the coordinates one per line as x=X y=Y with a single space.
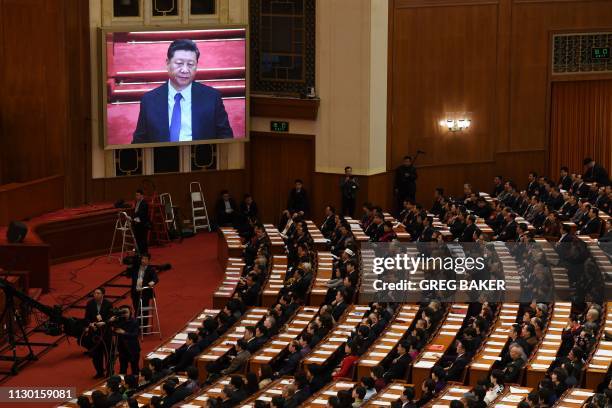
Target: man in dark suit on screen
x=182 y=110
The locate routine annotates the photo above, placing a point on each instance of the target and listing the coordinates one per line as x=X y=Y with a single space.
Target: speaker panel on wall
x=203 y=157
x=128 y=162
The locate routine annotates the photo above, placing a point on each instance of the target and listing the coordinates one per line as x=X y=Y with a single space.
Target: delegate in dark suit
x=128 y=345
x=97 y=335
x=141 y=223
x=208 y=116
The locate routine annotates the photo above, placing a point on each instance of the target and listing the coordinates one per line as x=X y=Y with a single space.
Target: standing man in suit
x=349 y=186
x=141 y=222
x=126 y=329
x=565 y=180
x=182 y=110
x=97 y=313
x=594 y=172
x=143 y=277
x=405 y=182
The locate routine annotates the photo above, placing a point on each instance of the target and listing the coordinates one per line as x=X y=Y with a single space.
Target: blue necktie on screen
x=175 y=122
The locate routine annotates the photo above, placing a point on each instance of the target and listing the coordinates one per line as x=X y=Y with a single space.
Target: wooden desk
x=230 y=245
x=360 y=236
x=450 y=393
x=601 y=360
x=274 y=389
x=144 y=397
x=435 y=349
x=398 y=228
x=549 y=345
x=562 y=288
x=276 y=240
x=225 y=343
x=170 y=346
x=574 y=398
x=320 y=242
x=392 y=392
x=511 y=397
x=331 y=390
x=291 y=331
x=336 y=339
x=388 y=340
x=227 y=287
x=213 y=391
x=510 y=269
x=325 y=265
x=493 y=345
x=276 y=280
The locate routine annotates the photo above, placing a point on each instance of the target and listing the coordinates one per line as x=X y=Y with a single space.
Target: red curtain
x=581 y=124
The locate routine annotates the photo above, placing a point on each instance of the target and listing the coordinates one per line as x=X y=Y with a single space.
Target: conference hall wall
x=490 y=59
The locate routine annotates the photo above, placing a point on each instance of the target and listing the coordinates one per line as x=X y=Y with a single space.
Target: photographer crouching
x=125 y=328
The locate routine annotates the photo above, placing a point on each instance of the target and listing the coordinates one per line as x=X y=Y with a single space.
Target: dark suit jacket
x=91 y=311
x=142 y=213
x=597 y=174
x=149 y=275
x=468 y=233
x=397 y=369
x=237 y=363
x=208 y=116
x=185 y=356
x=177 y=396
x=456 y=369
x=592 y=227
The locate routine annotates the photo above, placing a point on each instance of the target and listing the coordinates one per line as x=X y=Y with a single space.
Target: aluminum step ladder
x=146 y=315
x=168 y=209
x=199 y=214
x=123 y=226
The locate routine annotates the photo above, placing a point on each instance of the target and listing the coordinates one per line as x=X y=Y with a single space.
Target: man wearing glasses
x=182 y=110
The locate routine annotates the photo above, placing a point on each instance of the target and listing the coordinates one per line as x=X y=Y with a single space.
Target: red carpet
x=182 y=292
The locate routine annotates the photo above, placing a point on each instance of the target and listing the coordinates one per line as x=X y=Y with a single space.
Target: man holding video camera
x=97 y=312
x=125 y=327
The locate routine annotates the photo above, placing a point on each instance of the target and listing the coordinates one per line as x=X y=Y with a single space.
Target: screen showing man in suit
x=172 y=87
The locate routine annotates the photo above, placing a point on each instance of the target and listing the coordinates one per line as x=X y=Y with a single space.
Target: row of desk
x=325 y=266
x=227 y=287
x=334 y=340
x=276 y=280
x=439 y=344
x=493 y=345
x=549 y=346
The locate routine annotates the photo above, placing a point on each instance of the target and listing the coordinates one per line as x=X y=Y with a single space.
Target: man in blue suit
x=182 y=110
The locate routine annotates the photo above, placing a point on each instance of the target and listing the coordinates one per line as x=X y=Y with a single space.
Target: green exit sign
x=279 y=126
x=600 y=53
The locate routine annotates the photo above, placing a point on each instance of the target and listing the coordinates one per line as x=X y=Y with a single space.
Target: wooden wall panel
x=532 y=26
x=276 y=160
x=440 y=69
x=44 y=92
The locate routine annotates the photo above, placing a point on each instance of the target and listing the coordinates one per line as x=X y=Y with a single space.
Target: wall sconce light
x=456 y=125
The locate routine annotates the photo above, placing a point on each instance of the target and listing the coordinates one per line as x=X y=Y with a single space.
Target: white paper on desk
x=384 y=346
x=280 y=343
x=190 y=406
x=381 y=403
x=480 y=365
x=449 y=397
x=177 y=341
x=332 y=393
x=220 y=349
x=572 y=401
x=432 y=355
x=317 y=359
x=277 y=392
x=504 y=406
x=582 y=393
x=320 y=401
x=338 y=338
x=267 y=399
x=147 y=395
x=374 y=362
x=182 y=336
x=202 y=398
x=603 y=352
x=496 y=358
x=88 y=392
x=425 y=364
x=515 y=390
x=598 y=366
x=151 y=356
x=495 y=343
x=513 y=398
x=376 y=354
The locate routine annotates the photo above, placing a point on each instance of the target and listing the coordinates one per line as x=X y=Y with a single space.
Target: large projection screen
x=139 y=82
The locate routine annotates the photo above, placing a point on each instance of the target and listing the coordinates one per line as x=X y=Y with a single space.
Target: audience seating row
x=227 y=287
x=601 y=359
x=325 y=262
x=275 y=280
